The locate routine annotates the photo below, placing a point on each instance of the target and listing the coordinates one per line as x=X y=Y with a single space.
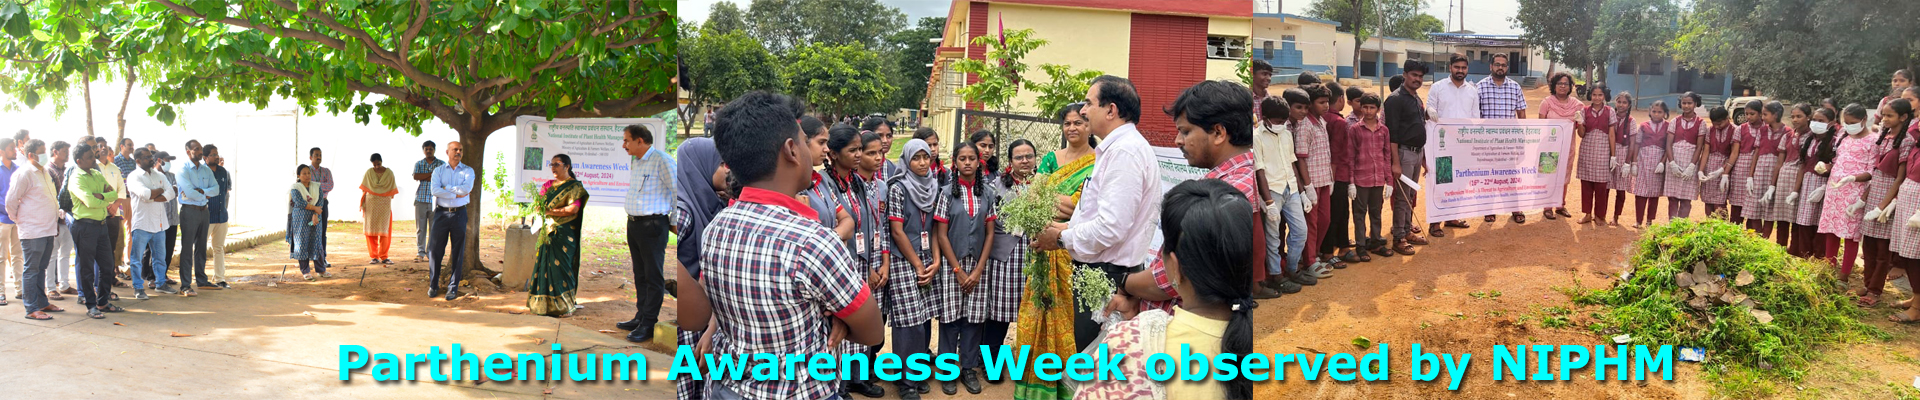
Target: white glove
x=1613 y=162
x=1750 y=186
x=1819 y=194
x=1793 y=198
x=1855 y=208
x=1353 y=193
x=1768 y=196
x=1914 y=221
x=1704 y=177
x=1876 y=215
x=1843 y=180
x=1274 y=216
x=1387 y=192
x=1723 y=182
x=1820 y=168
x=1629 y=168
x=1306 y=201
x=1660 y=168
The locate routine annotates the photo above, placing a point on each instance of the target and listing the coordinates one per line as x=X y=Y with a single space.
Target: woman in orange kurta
x=376 y=209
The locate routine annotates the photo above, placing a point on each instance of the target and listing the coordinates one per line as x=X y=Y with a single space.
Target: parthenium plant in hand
x=1027 y=213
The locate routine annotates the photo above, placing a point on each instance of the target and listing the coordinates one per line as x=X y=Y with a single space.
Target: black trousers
x=647 y=243
x=449 y=224
x=1085 y=331
x=172 y=235
x=93 y=260
x=1336 y=236
x=114 y=239
x=989 y=333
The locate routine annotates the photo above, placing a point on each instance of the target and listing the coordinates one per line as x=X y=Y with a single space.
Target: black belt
x=193 y=206
x=439 y=208
x=632 y=218
x=90 y=221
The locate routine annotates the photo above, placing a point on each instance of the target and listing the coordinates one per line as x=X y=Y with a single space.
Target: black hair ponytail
x=568 y=161
x=992 y=159
x=1206 y=228
x=977 y=173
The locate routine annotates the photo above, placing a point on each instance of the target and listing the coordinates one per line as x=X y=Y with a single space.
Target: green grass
x=1747 y=357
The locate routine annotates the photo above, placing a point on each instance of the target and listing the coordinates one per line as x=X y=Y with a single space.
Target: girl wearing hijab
x=914 y=201
x=376 y=208
x=700 y=179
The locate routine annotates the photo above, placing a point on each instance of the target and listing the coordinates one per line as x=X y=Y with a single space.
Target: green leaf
x=1362 y=341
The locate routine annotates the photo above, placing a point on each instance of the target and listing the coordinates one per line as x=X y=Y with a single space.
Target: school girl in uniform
x=998 y=303
x=1906 y=227
x=1840 y=212
x=961 y=232
x=1816 y=165
x=1716 y=175
x=1786 y=181
x=832 y=214
x=1684 y=157
x=1889 y=151
x=1761 y=177
x=846 y=159
x=1747 y=152
x=1596 y=154
x=1623 y=139
x=913 y=200
x=1649 y=163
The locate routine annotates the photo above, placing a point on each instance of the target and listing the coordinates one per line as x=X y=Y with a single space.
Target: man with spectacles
x=649 y=206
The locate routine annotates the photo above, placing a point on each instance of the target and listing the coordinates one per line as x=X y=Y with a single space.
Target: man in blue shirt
x=423 y=198
x=197 y=186
x=450 y=186
x=217 y=213
x=649 y=205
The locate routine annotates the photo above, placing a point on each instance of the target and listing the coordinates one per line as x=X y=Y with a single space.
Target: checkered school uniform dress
x=1766 y=167
x=1750 y=138
x=948 y=301
x=1686 y=139
x=1647 y=180
x=1906 y=240
x=1623 y=140
x=1595 y=145
x=906 y=303
x=1881 y=187
x=1719 y=147
x=774 y=275
x=1785 y=178
x=1807 y=212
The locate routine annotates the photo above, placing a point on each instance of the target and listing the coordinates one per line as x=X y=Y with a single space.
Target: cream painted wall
x=1223 y=70
x=1229 y=26
x=1082 y=38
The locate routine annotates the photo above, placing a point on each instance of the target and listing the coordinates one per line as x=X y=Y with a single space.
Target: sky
x=1483 y=16
x=696 y=10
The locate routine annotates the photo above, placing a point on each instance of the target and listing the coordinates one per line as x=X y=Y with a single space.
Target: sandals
x=1401 y=246
x=1458 y=224
x=1563 y=212
x=1362 y=256
x=1439 y=231
x=55 y=295
x=38 y=316
x=1488 y=219
x=1867 y=301
x=1550 y=215
x=1520 y=218
x=1381 y=250
x=1586 y=219
x=1899 y=317
x=51 y=308
x=110 y=308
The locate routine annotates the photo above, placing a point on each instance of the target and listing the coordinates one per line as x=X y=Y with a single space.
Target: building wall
x=1085 y=39
x=1164 y=62
x=1666 y=86
x=1313 y=47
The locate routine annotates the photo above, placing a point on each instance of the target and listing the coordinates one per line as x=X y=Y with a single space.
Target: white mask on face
x=1818 y=127
x=43 y=159
x=1853 y=129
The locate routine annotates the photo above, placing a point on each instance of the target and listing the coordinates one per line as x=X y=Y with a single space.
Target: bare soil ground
x=606 y=277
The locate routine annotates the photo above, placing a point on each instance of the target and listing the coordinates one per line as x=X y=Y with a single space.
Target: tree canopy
x=1563 y=28
x=724 y=65
x=56 y=46
x=726 y=17
x=837 y=79
x=785 y=25
x=1846 y=51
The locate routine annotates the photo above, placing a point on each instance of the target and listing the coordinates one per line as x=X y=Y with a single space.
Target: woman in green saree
x=556 y=273
x=1046 y=310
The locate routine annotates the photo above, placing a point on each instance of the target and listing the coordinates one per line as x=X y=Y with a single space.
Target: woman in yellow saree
x=1046 y=309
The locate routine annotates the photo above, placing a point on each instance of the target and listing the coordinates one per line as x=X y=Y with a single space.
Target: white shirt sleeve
x=1095 y=233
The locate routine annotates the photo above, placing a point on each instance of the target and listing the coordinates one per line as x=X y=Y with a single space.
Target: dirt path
x=606 y=287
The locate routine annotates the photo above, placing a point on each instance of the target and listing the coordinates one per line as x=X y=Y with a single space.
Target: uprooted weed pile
x=1756 y=310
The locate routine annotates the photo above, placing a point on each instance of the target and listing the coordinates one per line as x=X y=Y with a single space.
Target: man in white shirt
x=1113 y=225
x=150 y=191
x=36 y=214
x=1455 y=97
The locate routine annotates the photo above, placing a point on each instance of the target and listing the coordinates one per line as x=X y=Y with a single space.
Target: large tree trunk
x=473 y=154
x=86 y=93
x=124 y=97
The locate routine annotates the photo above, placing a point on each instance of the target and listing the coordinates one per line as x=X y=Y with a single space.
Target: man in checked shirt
x=777 y=280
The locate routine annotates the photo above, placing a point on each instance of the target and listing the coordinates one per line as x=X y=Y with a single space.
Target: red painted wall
x=976 y=26
x=1169 y=54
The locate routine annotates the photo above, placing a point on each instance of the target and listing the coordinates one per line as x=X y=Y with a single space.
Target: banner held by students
x=1479 y=167
x=594 y=144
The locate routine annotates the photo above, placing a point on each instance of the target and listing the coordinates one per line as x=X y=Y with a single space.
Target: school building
x=1660 y=78
x=1163 y=46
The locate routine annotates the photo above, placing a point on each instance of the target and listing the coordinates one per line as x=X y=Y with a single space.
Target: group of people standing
x=801 y=237
x=119 y=212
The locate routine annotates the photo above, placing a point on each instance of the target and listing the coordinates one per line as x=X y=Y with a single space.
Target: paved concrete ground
x=247 y=343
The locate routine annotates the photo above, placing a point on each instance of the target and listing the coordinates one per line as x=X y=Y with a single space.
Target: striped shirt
x=650 y=184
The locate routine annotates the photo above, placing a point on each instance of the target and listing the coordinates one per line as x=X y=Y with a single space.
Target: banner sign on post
x=1174 y=169
x=1478 y=167
x=594 y=145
